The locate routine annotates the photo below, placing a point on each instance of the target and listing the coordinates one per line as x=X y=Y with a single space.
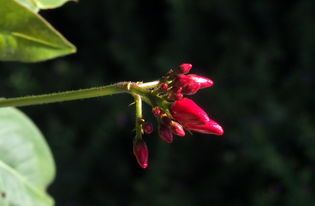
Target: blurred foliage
x=26 y=37
x=42 y=4
x=26 y=163
x=260 y=54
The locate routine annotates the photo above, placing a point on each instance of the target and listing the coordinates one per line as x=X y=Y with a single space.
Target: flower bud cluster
x=175 y=113
x=178 y=83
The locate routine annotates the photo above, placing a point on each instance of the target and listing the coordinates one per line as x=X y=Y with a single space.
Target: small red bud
x=164 y=86
x=178 y=96
x=175 y=96
x=184 y=68
x=166 y=134
x=147 y=127
x=157 y=112
x=140 y=150
x=177 y=129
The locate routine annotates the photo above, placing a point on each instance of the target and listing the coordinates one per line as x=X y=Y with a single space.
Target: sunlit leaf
x=31 y=4
x=25 y=36
x=26 y=163
x=36 y=5
x=50 y=4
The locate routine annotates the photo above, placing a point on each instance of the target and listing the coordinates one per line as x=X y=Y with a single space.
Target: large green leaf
x=50 y=4
x=25 y=36
x=26 y=163
x=31 y=4
x=35 y=5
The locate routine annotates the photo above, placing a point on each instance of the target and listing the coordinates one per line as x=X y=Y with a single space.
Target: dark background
x=261 y=55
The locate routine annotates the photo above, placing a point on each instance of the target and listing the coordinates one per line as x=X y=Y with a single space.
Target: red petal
x=203 y=81
x=191 y=116
x=210 y=127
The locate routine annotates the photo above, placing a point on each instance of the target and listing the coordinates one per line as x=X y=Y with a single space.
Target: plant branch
x=122 y=87
x=149 y=85
x=139 y=117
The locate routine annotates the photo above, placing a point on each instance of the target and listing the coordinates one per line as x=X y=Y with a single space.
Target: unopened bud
x=194 y=118
x=177 y=129
x=164 y=87
x=178 y=96
x=141 y=152
x=191 y=83
x=203 y=81
x=184 y=68
x=147 y=127
x=157 y=112
x=166 y=134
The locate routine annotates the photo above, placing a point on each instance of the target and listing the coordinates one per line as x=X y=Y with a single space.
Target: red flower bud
x=140 y=150
x=157 y=112
x=184 y=68
x=175 y=93
x=191 y=83
x=191 y=89
x=164 y=86
x=203 y=81
x=191 y=116
x=147 y=127
x=177 y=129
x=178 y=96
x=166 y=134
x=175 y=96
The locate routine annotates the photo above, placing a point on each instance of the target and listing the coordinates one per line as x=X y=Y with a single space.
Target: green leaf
x=31 y=4
x=25 y=36
x=35 y=5
x=26 y=163
x=50 y=4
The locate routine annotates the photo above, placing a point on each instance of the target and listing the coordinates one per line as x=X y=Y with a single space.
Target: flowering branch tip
x=174 y=112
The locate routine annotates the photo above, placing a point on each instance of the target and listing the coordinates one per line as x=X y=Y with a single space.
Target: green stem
x=122 y=87
x=139 y=118
x=149 y=85
x=138 y=102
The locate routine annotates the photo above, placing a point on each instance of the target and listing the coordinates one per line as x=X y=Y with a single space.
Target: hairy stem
x=139 y=118
x=122 y=87
x=149 y=84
